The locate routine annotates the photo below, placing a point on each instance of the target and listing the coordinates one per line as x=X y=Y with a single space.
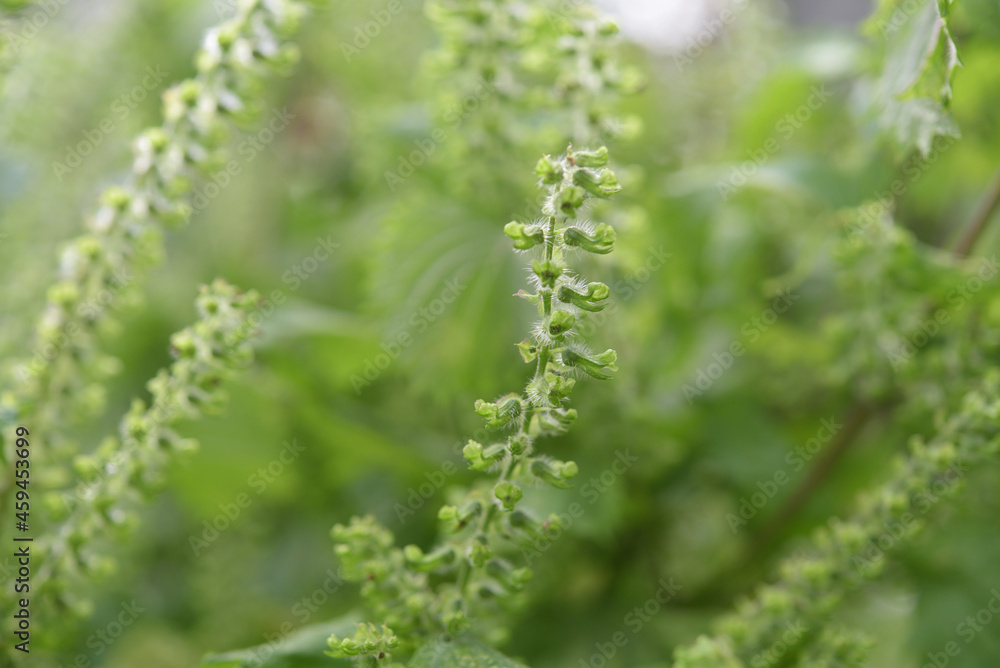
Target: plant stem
x=465 y=572
x=980 y=217
x=859 y=413
x=484 y=524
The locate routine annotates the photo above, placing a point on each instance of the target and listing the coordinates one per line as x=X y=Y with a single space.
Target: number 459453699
x=23 y=476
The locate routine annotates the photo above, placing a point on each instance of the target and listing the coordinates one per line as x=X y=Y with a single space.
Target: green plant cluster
x=88 y=496
x=892 y=330
x=65 y=374
x=493 y=522
x=541 y=67
x=130 y=467
x=846 y=553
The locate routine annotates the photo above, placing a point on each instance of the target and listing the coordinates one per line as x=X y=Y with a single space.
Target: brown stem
x=980 y=217
x=859 y=413
x=857 y=418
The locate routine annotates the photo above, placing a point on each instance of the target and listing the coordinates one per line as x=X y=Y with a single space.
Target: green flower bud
x=601 y=184
x=554 y=472
x=182 y=344
x=586 y=301
x=561 y=322
x=508 y=494
x=548 y=271
x=367 y=640
x=528 y=350
x=157 y=138
x=64 y=293
x=531 y=528
x=424 y=563
x=500 y=413
x=518 y=445
x=592 y=365
x=569 y=199
x=86 y=467
x=456 y=622
x=548 y=171
x=510 y=579
x=116 y=197
x=481 y=458
x=559 y=386
x=596 y=158
x=456 y=519
x=601 y=241
x=525 y=236
x=480 y=552
x=552 y=421
x=608 y=28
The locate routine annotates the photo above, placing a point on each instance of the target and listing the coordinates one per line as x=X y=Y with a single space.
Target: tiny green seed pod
x=554 y=472
x=508 y=494
x=501 y=412
x=559 y=386
x=592 y=365
x=510 y=579
x=519 y=444
x=481 y=458
x=601 y=184
x=601 y=241
x=456 y=519
x=569 y=199
x=525 y=236
x=595 y=158
x=548 y=271
x=596 y=292
x=480 y=551
x=548 y=171
x=424 y=563
x=561 y=322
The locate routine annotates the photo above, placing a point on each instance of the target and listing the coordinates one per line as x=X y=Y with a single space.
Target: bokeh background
x=365 y=446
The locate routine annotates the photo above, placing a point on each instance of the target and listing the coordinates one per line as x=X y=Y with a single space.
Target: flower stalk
x=471 y=563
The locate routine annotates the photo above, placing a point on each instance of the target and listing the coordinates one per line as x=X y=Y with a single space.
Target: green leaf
x=302 y=648
x=462 y=652
x=914 y=91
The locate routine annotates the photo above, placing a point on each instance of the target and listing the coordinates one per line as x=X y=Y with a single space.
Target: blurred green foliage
x=781 y=230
